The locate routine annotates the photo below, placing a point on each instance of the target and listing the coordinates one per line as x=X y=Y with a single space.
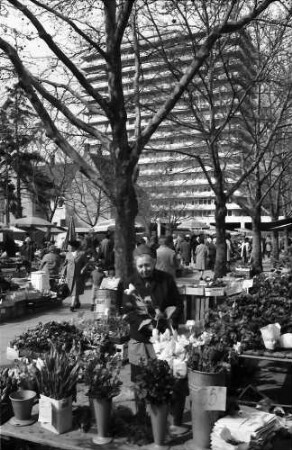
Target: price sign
x=209 y=398
x=45 y=410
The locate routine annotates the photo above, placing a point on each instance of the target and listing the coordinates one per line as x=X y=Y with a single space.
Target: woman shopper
x=201 y=256
x=74 y=266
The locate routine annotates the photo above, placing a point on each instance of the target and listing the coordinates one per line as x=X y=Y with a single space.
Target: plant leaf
x=144 y=323
x=169 y=311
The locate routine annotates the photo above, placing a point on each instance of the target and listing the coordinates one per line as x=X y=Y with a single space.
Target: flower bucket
x=206 y=399
x=22 y=402
x=55 y=415
x=178 y=406
x=102 y=411
x=158 y=416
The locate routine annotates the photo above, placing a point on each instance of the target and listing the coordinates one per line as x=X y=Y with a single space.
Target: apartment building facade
x=170 y=167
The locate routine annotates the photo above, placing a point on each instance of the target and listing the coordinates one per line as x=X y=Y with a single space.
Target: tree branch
x=61 y=56
x=199 y=59
x=72 y=25
x=50 y=127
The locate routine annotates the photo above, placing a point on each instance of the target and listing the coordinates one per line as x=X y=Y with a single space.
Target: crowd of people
x=92 y=256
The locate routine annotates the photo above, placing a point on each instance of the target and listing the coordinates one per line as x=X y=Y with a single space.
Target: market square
x=145 y=224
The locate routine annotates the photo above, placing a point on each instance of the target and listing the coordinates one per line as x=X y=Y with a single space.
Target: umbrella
x=31 y=222
x=71 y=233
x=11 y=228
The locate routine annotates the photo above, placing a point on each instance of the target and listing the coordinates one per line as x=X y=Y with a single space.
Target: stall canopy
x=109 y=225
x=278 y=225
x=192 y=224
x=32 y=221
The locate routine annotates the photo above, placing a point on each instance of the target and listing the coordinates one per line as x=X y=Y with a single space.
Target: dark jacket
x=163 y=292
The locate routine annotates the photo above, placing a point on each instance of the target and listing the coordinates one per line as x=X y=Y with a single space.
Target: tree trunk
x=275 y=245
x=125 y=238
x=286 y=239
x=256 y=254
x=220 y=215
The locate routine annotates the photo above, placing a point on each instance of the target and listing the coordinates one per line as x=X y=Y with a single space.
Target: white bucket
x=40 y=280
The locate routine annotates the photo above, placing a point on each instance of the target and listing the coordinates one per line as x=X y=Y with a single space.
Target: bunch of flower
x=209 y=354
x=155 y=383
x=57 y=375
x=151 y=317
x=102 y=376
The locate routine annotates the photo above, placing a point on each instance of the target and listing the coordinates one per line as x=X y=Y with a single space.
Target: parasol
x=31 y=222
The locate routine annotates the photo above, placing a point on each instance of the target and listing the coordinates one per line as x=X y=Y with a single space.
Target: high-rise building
x=169 y=168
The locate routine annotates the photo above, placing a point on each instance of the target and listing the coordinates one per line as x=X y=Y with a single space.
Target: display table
x=199 y=296
x=72 y=440
x=274 y=360
x=264 y=355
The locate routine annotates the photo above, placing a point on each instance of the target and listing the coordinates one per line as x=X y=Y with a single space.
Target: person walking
x=245 y=250
x=201 y=256
x=166 y=259
x=97 y=275
x=211 y=253
x=74 y=266
x=27 y=252
x=185 y=250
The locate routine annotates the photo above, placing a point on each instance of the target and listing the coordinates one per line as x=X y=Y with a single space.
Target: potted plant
x=102 y=376
x=155 y=385
x=208 y=362
x=57 y=375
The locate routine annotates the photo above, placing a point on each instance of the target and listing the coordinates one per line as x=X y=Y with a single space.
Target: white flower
x=131 y=289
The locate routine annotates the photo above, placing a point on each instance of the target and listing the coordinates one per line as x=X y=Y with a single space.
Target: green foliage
x=240 y=319
x=213 y=357
x=156 y=382
x=102 y=376
x=39 y=339
x=58 y=376
x=8 y=384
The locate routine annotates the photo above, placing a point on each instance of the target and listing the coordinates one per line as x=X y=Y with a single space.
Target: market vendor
x=52 y=262
x=148 y=293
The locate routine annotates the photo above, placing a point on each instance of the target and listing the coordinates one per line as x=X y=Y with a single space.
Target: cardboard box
x=55 y=415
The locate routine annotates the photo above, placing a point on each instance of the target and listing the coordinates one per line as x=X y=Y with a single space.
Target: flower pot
x=158 y=416
x=22 y=402
x=102 y=412
x=203 y=418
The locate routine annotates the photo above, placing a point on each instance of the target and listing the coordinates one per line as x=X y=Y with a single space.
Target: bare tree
x=103 y=27
x=220 y=107
x=268 y=124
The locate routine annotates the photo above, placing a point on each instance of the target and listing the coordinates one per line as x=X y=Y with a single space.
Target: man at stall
x=148 y=293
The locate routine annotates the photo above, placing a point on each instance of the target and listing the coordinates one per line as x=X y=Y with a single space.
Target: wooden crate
x=214 y=291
